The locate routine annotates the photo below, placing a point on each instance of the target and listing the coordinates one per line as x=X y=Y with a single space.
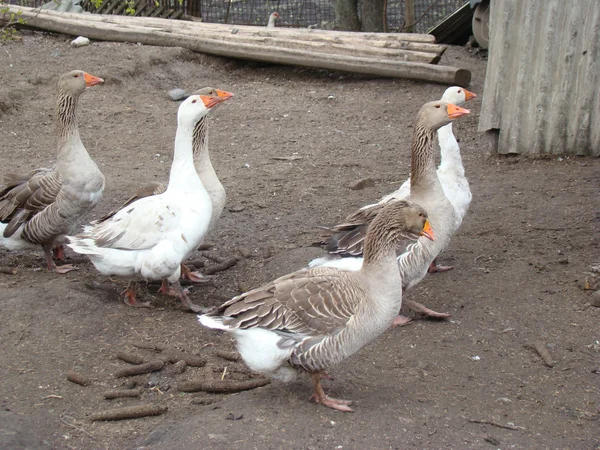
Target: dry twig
x=229 y=356
x=130 y=358
x=496 y=424
x=222 y=386
x=222 y=266
x=79 y=379
x=122 y=393
x=152 y=366
x=129 y=412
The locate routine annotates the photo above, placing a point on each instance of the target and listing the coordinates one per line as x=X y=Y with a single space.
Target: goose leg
x=320 y=397
x=165 y=288
x=401 y=320
x=433 y=267
x=424 y=310
x=129 y=296
x=59 y=252
x=185 y=300
x=196 y=277
x=52 y=267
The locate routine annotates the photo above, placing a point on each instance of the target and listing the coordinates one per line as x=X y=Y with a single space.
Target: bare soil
x=521 y=261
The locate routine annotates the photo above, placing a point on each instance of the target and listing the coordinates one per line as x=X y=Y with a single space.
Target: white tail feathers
x=213 y=322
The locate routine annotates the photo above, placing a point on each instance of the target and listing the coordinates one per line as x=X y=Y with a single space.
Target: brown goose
x=39 y=208
x=346 y=240
x=314 y=318
x=206 y=172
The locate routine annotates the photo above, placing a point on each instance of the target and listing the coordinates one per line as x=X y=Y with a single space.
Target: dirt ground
x=521 y=260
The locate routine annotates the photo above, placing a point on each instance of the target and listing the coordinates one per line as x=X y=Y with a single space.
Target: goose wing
x=24 y=196
x=309 y=302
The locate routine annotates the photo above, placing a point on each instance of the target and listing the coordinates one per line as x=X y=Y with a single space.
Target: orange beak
x=91 y=80
x=224 y=94
x=427 y=231
x=469 y=95
x=456 y=111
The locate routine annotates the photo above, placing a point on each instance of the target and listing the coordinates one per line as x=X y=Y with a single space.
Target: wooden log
x=258 y=52
x=172 y=26
x=389 y=49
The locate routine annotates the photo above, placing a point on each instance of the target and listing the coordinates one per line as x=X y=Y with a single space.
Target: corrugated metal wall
x=542 y=87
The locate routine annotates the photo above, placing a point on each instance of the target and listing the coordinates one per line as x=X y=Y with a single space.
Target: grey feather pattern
x=307 y=302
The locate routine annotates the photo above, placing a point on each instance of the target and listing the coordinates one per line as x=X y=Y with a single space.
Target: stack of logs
x=402 y=55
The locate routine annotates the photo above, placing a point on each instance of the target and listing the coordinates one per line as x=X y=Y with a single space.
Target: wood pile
x=401 y=55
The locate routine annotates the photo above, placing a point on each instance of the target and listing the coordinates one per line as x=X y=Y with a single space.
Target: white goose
x=207 y=175
x=314 y=318
x=40 y=208
x=272 y=18
x=153 y=235
x=344 y=242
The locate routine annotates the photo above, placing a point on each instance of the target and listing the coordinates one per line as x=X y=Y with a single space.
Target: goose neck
x=66 y=109
x=422 y=164
x=183 y=171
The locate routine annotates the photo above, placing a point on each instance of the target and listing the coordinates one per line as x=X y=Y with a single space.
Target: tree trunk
x=372 y=15
x=409 y=16
x=346 y=14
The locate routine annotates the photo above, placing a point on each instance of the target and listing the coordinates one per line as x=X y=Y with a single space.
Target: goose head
x=196 y=106
x=399 y=221
x=75 y=82
x=457 y=95
x=218 y=95
x=434 y=115
x=403 y=220
x=272 y=18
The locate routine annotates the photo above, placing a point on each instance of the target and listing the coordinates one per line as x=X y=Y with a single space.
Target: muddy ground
x=521 y=261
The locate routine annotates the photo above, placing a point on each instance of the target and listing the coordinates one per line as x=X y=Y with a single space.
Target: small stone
x=362 y=183
x=81 y=41
x=177 y=94
x=232 y=416
x=596 y=299
x=236 y=208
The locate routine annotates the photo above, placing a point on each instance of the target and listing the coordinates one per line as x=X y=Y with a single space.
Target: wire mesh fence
x=294 y=13
x=318 y=13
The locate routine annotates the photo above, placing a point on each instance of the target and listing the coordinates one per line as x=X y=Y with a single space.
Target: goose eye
x=459 y=91
x=194 y=101
x=76 y=75
x=437 y=106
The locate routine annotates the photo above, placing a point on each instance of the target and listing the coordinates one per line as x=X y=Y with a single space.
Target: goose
x=41 y=207
x=153 y=235
x=205 y=171
x=314 y=318
x=450 y=172
x=272 y=18
x=346 y=240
